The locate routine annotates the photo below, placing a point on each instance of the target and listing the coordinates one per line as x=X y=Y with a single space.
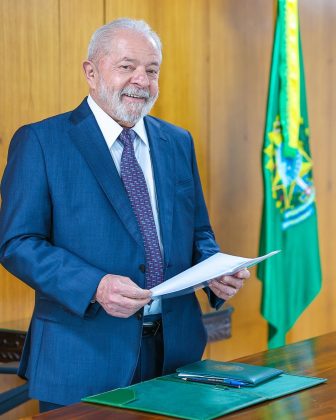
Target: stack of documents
x=200 y=274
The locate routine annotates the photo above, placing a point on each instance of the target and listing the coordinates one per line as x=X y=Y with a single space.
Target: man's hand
x=225 y=287
x=120 y=296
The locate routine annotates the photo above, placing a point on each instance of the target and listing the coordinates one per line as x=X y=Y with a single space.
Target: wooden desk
x=314 y=357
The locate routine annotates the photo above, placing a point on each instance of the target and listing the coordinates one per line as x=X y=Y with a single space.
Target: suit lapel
x=163 y=165
x=88 y=138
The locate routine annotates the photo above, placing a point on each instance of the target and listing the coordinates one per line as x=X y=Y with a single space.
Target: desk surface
x=314 y=357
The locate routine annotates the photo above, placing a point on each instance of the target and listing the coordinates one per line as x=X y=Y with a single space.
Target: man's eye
x=126 y=67
x=152 y=71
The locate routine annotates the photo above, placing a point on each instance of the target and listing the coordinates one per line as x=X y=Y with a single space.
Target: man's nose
x=140 y=77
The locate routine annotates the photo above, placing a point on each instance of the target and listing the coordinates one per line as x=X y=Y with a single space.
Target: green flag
x=292 y=278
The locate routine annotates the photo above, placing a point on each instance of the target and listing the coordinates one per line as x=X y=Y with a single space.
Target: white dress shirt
x=111 y=131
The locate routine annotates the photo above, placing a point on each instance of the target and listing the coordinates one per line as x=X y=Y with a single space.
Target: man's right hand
x=120 y=296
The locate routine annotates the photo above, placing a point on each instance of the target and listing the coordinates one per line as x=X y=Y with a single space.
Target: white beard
x=129 y=113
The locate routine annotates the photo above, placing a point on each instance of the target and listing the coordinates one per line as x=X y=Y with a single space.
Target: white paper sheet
x=200 y=274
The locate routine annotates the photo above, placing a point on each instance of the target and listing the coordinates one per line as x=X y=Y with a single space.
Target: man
x=99 y=205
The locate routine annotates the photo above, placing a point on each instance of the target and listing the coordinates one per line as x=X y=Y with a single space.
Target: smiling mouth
x=134 y=96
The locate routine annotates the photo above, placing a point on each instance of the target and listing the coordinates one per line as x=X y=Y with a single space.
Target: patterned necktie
x=136 y=187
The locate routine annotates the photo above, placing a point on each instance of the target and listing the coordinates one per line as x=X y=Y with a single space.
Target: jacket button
x=142 y=268
x=138 y=315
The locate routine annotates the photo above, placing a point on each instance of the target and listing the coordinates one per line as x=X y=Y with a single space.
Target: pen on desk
x=229 y=382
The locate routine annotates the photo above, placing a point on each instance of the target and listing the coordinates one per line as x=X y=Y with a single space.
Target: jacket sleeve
x=205 y=244
x=26 y=248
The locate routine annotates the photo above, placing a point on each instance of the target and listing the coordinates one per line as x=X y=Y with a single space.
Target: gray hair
x=99 y=44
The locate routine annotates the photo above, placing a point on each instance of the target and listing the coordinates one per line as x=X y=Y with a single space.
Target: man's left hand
x=225 y=287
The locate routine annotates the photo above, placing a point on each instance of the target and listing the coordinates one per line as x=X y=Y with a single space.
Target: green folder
x=180 y=399
x=251 y=375
x=172 y=396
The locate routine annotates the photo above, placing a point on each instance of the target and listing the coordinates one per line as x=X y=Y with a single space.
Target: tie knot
x=127 y=136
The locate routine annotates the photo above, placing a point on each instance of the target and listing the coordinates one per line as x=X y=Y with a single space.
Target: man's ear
x=91 y=73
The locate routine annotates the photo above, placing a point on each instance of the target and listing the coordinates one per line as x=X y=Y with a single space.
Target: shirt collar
x=110 y=128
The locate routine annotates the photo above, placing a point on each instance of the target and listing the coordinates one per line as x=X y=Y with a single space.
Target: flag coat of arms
x=292 y=278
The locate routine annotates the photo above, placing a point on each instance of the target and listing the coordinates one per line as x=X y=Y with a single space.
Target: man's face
x=125 y=85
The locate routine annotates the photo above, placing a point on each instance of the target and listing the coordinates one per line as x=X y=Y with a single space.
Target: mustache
x=133 y=91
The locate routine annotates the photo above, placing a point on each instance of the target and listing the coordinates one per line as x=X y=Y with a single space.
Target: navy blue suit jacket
x=66 y=221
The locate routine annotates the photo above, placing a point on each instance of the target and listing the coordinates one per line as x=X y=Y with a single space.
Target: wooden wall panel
x=78 y=20
x=29 y=48
x=29 y=43
x=239 y=67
